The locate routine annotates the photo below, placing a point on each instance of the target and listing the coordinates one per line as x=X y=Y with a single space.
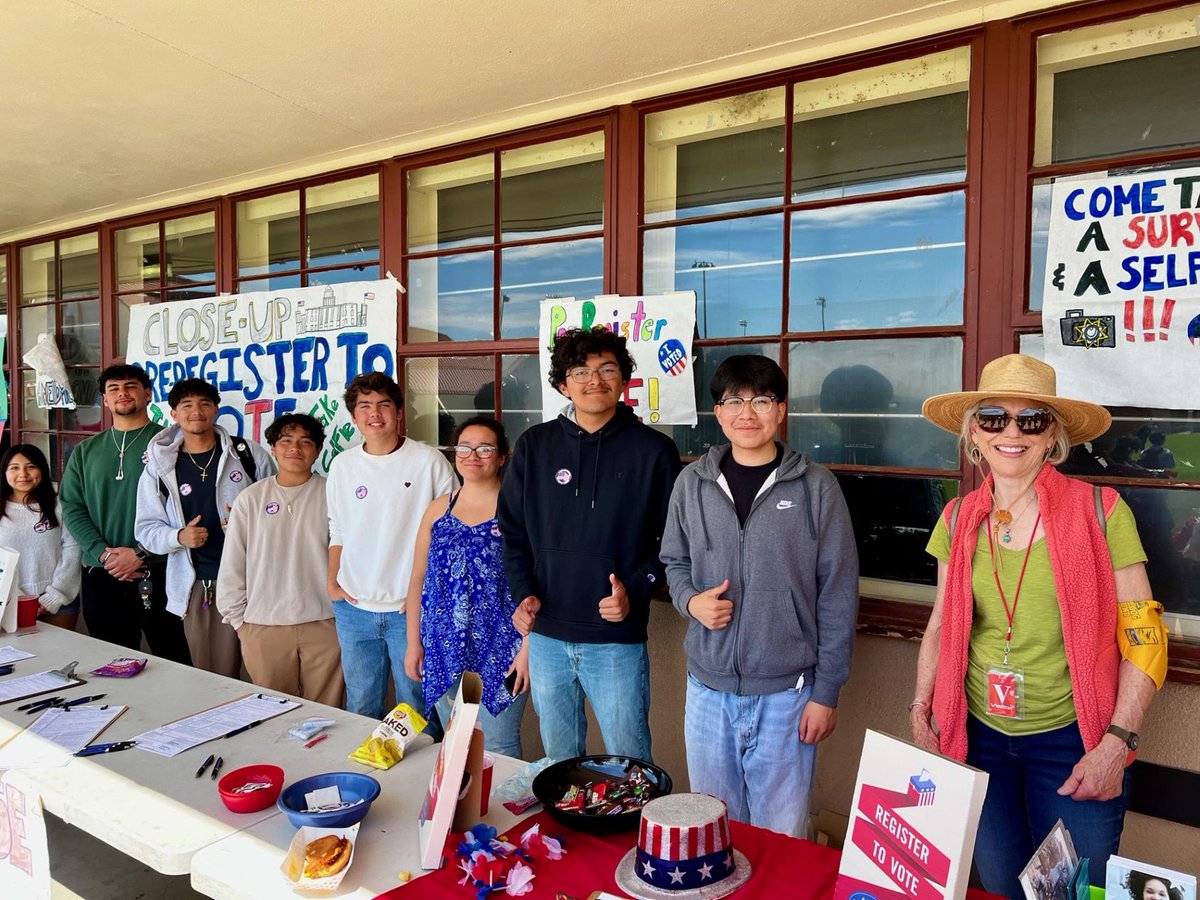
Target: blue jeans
x=614 y=677
x=370 y=641
x=502 y=733
x=1022 y=804
x=746 y=750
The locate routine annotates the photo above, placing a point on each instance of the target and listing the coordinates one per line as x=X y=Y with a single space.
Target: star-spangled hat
x=684 y=852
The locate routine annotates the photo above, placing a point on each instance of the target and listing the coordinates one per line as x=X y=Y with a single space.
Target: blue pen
x=6 y=670
x=78 y=700
x=106 y=748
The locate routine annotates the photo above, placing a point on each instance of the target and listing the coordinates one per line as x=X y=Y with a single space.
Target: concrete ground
x=82 y=866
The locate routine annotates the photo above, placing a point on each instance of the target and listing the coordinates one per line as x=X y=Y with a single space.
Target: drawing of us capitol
x=331 y=315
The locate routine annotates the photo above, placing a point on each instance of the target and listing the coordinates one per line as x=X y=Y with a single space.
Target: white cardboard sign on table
x=913 y=823
x=441 y=798
x=8 y=589
x=24 y=854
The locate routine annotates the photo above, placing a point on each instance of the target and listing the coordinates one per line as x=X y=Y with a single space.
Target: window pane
x=79 y=340
x=35 y=320
x=718 y=156
x=191 y=249
x=696 y=440
x=39 y=281
x=1143 y=443
x=552 y=188
x=541 y=271
x=341 y=276
x=735 y=268
x=268 y=234
x=1092 y=87
x=31 y=416
x=79 y=258
x=280 y=283
x=136 y=250
x=451 y=205
x=520 y=394
x=1167 y=524
x=42 y=442
x=124 y=302
x=85 y=387
x=901 y=125
x=879 y=265
x=343 y=221
x=65 y=444
x=3 y=276
x=443 y=391
x=859 y=402
x=893 y=519
x=450 y=298
x=191 y=292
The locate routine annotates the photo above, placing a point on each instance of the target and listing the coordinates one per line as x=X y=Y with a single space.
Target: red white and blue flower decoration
x=493 y=865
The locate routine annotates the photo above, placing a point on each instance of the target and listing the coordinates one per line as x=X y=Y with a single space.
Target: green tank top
x=1037 y=642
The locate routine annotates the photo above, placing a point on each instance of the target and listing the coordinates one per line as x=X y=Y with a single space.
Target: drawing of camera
x=1079 y=330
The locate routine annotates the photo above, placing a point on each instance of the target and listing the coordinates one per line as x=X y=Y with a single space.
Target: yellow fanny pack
x=1142 y=637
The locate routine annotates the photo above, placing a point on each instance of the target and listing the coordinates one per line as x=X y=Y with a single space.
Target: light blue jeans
x=614 y=677
x=371 y=643
x=746 y=750
x=502 y=733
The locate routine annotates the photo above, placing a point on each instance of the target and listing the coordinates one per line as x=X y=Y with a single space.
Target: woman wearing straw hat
x=1021 y=670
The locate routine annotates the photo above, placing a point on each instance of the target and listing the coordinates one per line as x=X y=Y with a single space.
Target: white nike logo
x=784 y=504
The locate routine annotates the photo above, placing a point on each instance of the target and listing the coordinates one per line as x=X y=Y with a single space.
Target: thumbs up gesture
x=710 y=609
x=615 y=607
x=193 y=535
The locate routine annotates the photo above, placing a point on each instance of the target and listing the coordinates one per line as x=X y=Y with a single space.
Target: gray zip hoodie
x=160 y=518
x=793 y=577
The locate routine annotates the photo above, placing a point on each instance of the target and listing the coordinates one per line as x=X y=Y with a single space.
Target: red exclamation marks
x=1148 y=335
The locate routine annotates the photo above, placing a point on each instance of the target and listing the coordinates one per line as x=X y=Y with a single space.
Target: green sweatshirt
x=98 y=509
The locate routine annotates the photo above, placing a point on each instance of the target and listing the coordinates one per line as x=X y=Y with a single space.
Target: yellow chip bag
x=386 y=745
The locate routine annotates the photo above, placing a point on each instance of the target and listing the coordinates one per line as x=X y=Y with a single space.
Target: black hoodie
x=576 y=506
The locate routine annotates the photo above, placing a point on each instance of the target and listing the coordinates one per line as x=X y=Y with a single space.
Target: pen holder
x=255 y=801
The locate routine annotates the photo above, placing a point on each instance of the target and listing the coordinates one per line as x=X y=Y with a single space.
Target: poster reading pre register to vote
x=271 y=352
x=1121 y=307
x=658 y=332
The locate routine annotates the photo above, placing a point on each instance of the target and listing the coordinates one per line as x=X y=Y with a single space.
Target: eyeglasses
x=994 y=419
x=759 y=404
x=584 y=375
x=483 y=451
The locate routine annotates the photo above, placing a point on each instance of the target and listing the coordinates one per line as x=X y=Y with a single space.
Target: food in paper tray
x=606 y=798
x=386 y=745
x=326 y=856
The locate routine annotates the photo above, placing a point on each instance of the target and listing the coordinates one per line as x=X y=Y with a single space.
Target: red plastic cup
x=27 y=611
x=485 y=783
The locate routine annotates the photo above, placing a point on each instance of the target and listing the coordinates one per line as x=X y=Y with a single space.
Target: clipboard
x=37 y=726
x=12 y=690
x=164 y=741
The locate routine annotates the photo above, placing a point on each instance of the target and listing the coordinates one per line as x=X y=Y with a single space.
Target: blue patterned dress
x=466 y=611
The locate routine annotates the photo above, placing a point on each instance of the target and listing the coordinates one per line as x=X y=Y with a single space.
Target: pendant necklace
x=1006 y=520
x=203 y=468
x=121 y=448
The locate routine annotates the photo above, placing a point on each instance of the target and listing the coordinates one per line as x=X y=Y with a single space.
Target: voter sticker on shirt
x=271 y=508
x=185 y=489
x=1006 y=692
x=235 y=476
x=41 y=527
x=563 y=476
x=361 y=492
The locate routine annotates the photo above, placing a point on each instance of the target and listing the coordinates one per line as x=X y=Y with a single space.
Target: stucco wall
x=877 y=697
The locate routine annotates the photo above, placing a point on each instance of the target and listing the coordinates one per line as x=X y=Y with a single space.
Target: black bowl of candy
x=600 y=793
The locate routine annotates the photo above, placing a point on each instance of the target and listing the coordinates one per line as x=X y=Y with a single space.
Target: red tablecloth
x=590 y=861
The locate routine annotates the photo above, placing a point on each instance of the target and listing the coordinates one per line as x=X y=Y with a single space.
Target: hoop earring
x=975 y=455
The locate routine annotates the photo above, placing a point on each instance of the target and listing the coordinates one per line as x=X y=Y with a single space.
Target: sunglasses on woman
x=994 y=419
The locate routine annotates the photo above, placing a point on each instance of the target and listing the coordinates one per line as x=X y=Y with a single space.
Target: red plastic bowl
x=255 y=801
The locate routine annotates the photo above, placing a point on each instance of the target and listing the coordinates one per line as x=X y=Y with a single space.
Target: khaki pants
x=304 y=660
x=213 y=644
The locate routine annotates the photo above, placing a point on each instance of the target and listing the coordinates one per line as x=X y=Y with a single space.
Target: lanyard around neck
x=1011 y=612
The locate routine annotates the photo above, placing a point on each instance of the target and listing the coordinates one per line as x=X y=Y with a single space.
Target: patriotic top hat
x=684 y=852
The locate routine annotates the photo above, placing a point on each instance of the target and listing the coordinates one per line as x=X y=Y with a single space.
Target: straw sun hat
x=1022 y=378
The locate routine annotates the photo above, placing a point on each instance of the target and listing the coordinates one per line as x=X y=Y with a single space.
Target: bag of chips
x=391 y=737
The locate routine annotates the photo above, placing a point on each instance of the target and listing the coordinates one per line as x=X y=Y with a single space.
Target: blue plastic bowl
x=353 y=787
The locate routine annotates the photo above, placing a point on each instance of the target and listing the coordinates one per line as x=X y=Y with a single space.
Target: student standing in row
x=124 y=587
x=377 y=493
x=761 y=559
x=194 y=472
x=582 y=510
x=271 y=587
x=31 y=524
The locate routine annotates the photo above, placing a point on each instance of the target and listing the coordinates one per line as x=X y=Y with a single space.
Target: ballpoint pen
x=208 y=762
x=80 y=700
x=243 y=728
x=217 y=768
x=106 y=748
x=47 y=701
x=43 y=705
x=6 y=670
